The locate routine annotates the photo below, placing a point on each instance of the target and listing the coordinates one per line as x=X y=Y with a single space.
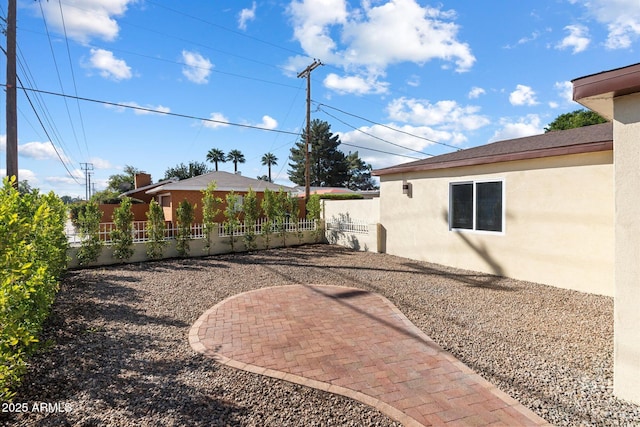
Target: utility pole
x=12 y=107
x=86 y=167
x=307 y=73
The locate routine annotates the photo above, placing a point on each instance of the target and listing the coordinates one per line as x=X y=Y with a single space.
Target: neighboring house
x=170 y=195
x=142 y=184
x=538 y=208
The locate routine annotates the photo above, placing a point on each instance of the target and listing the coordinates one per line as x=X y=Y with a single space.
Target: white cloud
x=216 y=120
x=366 y=40
x=246 y=15
x=578 y=38
x=3 y=142
x=565 y=90
x=356 y=85
x=85 y=19
x=445 y=114
x=475 y=92
x=110 y=67
x=198 y=68
x=622 y=18
x=41 y=151
x=268 y=123
x=523 y=95
x=99 y=163
x=524 y=126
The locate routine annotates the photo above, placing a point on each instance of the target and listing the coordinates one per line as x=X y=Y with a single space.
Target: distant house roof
x=323 y=190
x=225 y=181
x=573 y=141
x=146 y=188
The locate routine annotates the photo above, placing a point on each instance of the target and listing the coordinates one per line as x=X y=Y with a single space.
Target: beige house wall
x=626 y=134
x=361 y=211
x=559 y=227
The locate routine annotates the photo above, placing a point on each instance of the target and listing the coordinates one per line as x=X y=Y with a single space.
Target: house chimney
x=141 y=179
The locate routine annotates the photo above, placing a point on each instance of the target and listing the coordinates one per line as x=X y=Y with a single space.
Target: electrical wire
x=388 y=127
x=47 y=133
x=55 y=63
x=373 y=136
x=151 y=110
x=73 y=78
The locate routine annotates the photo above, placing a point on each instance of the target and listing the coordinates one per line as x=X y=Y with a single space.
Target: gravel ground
x=116 y=352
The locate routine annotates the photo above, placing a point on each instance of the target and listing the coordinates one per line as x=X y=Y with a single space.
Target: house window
x=476 y=206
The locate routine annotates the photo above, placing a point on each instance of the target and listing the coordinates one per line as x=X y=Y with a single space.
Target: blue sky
x=449 y=74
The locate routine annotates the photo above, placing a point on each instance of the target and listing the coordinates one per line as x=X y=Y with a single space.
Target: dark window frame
x=477 y=206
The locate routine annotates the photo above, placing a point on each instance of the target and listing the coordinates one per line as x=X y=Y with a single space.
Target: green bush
x=185 y=215
x=122 y=235
x=155 y=230
x=32 y=258
x=89 y=230
x=341 y=196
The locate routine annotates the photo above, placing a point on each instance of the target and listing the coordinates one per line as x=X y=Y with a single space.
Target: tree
x=210 y=210
x=123 y=182
x=183 y=171
x=122 y=235
x=268 y=160
x=575 y=119
x=216 y=155
x=328 y=165
x=359 y=174
x=155 y=230
x=185 y=216
x=236 y=157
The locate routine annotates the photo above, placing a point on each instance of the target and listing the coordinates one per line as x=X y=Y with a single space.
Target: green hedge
x=33 y=255
x=341 y=196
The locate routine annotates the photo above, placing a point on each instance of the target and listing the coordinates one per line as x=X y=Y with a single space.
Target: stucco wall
x=361 y=211
x=559 y=226
x=626 y=134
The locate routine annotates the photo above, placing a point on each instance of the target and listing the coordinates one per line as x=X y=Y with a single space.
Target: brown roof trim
x=617 y=82
x=498 y=158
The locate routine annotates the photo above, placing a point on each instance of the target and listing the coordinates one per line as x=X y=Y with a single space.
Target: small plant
x=185 y=215
x=251 y=214
x=294 y=212
x=89 y=230
x=269 y=208
x=155 y=231
x=281 y=214
x=314 y=210
x=231 y=213
x=122 y=235
x=210 y=211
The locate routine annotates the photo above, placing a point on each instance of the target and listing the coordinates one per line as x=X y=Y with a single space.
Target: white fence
x=139 y=231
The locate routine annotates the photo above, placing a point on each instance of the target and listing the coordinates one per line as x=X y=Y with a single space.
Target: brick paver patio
x=357 y=344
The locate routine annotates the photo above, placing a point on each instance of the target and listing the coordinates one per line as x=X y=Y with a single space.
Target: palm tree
x=268 y=160
x=216 y=155
x=236 y=157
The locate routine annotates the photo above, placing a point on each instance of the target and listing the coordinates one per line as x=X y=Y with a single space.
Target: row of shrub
x=33 y=255
x=276 y=207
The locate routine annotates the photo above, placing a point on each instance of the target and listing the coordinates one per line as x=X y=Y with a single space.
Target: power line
x=55 y=63
x=389 y=127
x=73 y=77
x=373 y=136
x=152 y=110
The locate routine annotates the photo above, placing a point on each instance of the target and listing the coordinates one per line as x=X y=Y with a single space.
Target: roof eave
x=597 y=91
x=499 y=158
